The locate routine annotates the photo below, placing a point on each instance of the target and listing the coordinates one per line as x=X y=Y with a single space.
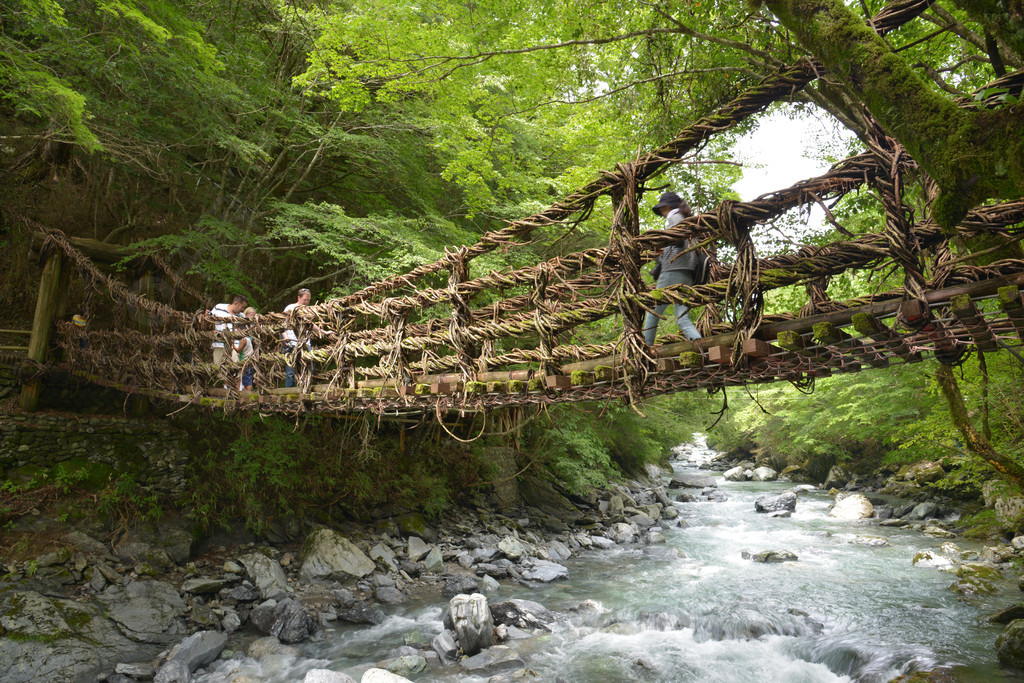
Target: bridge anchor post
x=50 y=294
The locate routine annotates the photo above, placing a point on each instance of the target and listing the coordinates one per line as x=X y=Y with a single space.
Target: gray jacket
x=670 y=258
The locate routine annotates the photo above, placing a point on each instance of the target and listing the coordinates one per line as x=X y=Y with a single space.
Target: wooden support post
x=1010 y=302
x=39 y=343
x=970 y=317
x=722 y=355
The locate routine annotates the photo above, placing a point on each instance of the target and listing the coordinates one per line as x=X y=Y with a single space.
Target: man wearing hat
x=676 y=268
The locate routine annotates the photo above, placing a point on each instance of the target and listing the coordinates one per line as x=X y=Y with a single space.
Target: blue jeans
x=669 y=278
x=289 y=371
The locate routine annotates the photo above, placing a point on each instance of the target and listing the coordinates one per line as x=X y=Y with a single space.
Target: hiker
x=673 y=268
x=243 y=351
x=290 y=341
x=229 y=311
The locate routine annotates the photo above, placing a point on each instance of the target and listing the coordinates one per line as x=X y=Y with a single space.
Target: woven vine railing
x=449 y=335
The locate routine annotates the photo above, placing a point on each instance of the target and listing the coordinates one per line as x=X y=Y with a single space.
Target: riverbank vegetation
x=264 y=146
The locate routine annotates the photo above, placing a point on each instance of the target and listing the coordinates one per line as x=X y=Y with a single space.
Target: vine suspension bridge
x=454 y=336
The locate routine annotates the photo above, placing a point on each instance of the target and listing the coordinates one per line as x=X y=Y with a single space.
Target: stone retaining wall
x=94 y=450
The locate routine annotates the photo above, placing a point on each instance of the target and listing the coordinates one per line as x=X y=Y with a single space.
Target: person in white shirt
x=289 y=338
x=227 y=311
x=243 y=351
x=676 y=266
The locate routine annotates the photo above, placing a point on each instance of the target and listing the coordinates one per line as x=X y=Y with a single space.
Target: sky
x=781 y=151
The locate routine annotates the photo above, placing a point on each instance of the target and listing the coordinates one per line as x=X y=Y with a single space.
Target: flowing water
x=845 y=611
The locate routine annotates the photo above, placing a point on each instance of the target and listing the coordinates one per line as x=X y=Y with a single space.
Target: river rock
x=287 y=621
x=407 y=665
x=471 y=622
x=923 y=510
x=558 y=551
x=602 y=542
x=326 y=554
x=269 y=645
x=413 y=524
x=416 y=549
x=385 y=555
x=928 y=558
x=542 y=495
x=764 y=474
x=202 y=585
x=382 y=676
x=545 y=571
x=1007 y=614
x=770 y=556
x=199 y=649
x=522 y=614
x=445 y=645
x=871 y=541
x=493 y=660
x=174 y=671
x=151 y=613
x=327 y=676
x=933 y=531
x=783 y=502
x=1010 y=644
x=687 y=480
x=455 y=585
x=735 y=474
x=434 y=561
x=621 y=532
x=852 y=507
x=266 y=574
x=837 y=478
x=513 y=548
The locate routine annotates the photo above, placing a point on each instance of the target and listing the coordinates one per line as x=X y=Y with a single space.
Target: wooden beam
x=101 y=252
x=39 y=343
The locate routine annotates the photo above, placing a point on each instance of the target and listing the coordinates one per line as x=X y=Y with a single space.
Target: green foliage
x=124 y=499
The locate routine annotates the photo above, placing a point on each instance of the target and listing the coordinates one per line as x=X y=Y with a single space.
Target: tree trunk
x=975 y=442
x=972 y=155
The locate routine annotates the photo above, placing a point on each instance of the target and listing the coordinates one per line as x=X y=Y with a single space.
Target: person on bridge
x=229 y=311
x=675 y=266
x=290 y=341
x=243 y=351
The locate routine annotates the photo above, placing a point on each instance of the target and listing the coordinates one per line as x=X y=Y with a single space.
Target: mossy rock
x=413 y=524
x=28 y=475
x=581 y=378
x=92 y=476
x=972 y=586
x=980 y=571
x=691 y=359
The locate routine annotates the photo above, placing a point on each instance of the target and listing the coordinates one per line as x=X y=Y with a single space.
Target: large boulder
x=199 y=649
x=543 y=496
x=687 y=480
x=852 y=507
x=1007 y=502
x=1010 y=644
x=735 y=474
x=513 y=548
x=493 y=661
x=764 y=474
x=472 y=622
x=326 y=554
x=522 y=614
x=785 y=502
x=266 y=574
x=416 y=548
x=151 y=613
x=837 y=478
x=545 y=571
x=287 y=621
x=326 y=676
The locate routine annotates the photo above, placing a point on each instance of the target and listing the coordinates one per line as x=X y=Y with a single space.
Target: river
x=845 y=611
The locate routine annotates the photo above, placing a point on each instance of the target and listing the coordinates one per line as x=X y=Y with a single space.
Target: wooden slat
x=843 y=344
x=869 y=326
x=1010 y=302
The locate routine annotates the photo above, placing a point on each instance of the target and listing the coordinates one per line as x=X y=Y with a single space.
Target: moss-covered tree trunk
x=975 y=442
x=972 y=155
